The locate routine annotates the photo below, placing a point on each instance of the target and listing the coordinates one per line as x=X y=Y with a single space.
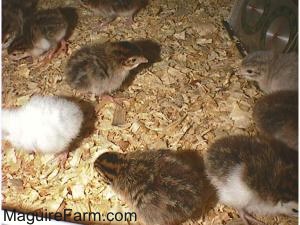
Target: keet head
x=250 y=72
x=108 y=165
x=255 y=65
x=7 y=39
x=289 y=208
x=127 y=54
x=11 y=26
x=18 y=49
x=19 y=54
x=134 y=62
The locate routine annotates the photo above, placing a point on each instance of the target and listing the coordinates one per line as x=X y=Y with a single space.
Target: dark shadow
x=151 y=50
x=89 y=119
x=71 y=17
x=195 y=160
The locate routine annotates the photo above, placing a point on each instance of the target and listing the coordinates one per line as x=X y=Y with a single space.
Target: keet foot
x=248 y=219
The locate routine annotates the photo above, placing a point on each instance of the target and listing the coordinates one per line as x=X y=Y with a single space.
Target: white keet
x=45 y=124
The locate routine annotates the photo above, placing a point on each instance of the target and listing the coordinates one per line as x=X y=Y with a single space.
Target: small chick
x=45 y=124
x=102 y=68
x=111 y=9
x=272 y=71
x=254 y=177
x=44 y=32
x=276 y=116
x=160 y=185
x=14 y=12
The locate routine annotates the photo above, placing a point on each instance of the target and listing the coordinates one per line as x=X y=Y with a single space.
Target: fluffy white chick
x=45 y=124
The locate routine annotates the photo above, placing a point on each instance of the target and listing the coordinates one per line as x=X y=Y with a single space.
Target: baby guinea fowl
x=160 y=186
x=14 y=12
x=272 y=71
x=254 y=177
x=102 y=68
x=45 y=124
x=44 y=31
x=111 y=9
x=276 y=116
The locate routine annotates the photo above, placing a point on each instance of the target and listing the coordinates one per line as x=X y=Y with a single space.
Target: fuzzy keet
x=14 y=13
x=45 y=31
x=45 y=124
x=161 y=186
x=253 y=176
x=102 y=68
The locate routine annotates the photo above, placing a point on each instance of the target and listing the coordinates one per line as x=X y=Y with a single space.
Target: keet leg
x=62 y=46
x=248 y=219
x=106 y=22
x=46 y=58
x=116 y=100
x=63 y=157
x=130 y=21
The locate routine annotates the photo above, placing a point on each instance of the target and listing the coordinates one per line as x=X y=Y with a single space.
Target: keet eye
x=295 y=210
x=249 y=71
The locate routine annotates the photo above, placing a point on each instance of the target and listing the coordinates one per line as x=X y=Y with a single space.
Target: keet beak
x=144 y=60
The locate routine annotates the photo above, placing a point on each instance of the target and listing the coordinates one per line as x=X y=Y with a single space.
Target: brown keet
x=254 y=176
x=111 y=9
x=102 y=68
x=44 y=32
x=276 y=117
x=14 y=13
x=161 y=186
x=272 y=71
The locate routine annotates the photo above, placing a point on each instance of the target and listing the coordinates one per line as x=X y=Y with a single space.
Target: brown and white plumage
x=44 y=32
x=254 y=176
x=102 y=68
x=161 y=186
x=276 y=116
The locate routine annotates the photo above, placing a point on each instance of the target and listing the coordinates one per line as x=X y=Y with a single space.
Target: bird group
x=252 y=174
